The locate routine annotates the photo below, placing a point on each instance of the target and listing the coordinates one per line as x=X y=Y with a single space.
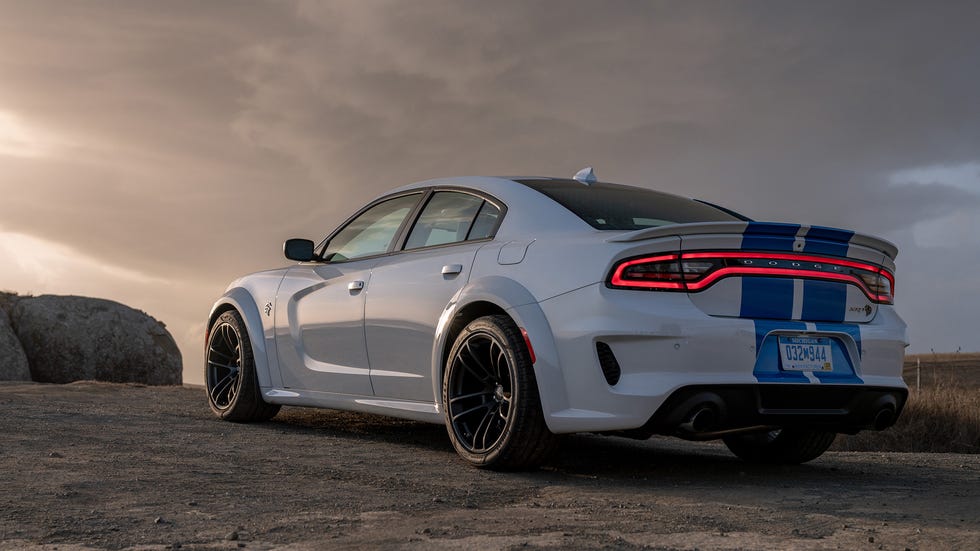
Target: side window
x=447 y=218
x=372 y=232
x=485 y=222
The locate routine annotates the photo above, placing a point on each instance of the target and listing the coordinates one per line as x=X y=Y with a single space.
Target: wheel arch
x=497 y=295
x=240 y=300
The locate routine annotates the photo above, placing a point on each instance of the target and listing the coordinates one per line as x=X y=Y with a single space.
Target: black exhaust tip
x=702 y=418
x=884 y=418
x=885 y=413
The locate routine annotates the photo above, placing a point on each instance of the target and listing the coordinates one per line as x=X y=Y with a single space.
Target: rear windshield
x=615 y=207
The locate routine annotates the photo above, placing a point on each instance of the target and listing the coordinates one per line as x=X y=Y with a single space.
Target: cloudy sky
x=152 y=151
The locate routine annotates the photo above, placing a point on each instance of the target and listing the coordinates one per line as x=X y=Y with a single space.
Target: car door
x=410 y=290
x=320 y=305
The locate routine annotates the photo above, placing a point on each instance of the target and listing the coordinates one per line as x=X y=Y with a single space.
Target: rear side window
x=614 y=207
x=486 y=221
x=448 y=217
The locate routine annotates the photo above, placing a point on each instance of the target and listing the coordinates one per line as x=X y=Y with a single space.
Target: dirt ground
x=91 y=465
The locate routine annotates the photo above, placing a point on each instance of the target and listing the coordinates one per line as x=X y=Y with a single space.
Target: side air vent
x=608 y=363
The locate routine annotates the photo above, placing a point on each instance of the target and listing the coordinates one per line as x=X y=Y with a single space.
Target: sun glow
x=35 y=265
x=17 y=139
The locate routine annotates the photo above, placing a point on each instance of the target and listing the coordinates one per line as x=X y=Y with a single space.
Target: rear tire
x=490 y=394
x=232 y=383
x=782 y=446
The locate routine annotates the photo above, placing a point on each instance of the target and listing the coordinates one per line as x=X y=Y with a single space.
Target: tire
x=232 y=384
x=492 y=405
x=782 y=446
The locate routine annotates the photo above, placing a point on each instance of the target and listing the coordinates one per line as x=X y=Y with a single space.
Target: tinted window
x=485 y=222
x=372 y=231
x=445 y=219
x=614 y=207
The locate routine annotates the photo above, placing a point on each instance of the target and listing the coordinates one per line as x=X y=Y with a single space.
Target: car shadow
x=581 y=457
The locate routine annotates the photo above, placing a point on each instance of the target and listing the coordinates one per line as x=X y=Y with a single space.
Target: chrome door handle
x=451 y=269
x=355 y=285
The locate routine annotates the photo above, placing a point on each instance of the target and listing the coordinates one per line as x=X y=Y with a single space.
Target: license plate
x=806 y=353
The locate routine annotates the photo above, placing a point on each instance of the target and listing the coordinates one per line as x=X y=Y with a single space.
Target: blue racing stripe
x=844 y=365
x=824 y=300
x=767 y=297
x=843 y=372
x=829 y=241
x=764 y=327
x=769 y=236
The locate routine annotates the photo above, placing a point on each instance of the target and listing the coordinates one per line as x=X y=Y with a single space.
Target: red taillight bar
x=712 y=276
x=617 y=277
x=791 y=257
x=782 y=272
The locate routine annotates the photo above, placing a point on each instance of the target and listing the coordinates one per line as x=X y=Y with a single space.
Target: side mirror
x=298 y=249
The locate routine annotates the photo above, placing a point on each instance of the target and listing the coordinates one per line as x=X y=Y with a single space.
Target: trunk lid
x=778 y=271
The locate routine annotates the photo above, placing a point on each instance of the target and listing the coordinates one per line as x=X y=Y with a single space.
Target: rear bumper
x=665 y=345
x=701 y=412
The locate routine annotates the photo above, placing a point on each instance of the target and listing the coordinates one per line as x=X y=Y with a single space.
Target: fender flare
x=241 y=300
x=518 y=303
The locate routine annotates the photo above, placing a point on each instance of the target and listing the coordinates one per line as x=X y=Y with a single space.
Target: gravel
x=118 y=466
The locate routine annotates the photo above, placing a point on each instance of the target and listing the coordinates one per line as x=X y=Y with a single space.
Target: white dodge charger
x=514 y=310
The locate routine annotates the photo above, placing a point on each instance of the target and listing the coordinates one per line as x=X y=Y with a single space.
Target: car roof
x=533 y=207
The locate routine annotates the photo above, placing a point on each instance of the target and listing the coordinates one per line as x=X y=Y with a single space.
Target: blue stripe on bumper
x=767 y=363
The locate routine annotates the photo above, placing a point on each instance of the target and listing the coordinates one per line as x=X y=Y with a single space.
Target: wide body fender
x=261 y=332
x=517 y=302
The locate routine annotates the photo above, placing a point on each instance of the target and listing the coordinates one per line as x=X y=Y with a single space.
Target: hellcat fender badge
x=268 y=308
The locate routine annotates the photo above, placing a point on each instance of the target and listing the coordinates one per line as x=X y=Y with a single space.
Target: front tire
x=782 y=446
x=232 y=383
x=490 y=394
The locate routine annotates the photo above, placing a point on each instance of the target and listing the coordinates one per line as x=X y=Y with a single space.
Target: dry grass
x=942 y=416
x=962 y=369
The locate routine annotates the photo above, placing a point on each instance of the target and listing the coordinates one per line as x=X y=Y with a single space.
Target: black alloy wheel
x=493 y=410
x=232 y=382
x=480 y=392
x=224 y=359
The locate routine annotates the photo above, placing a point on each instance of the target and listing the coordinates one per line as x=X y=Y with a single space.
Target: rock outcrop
x=13 y=361
x=71 y=338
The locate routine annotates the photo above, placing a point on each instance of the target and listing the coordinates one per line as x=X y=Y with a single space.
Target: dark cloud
x=186 y=140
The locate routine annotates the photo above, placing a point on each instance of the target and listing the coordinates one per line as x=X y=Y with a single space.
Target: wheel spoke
x=226 y=334
x=221 y=353
x=485 y=405
x=221 y=365
x=490 y=375
x=483 y=427
x=482 y=378
x=232 y=392
x=501 y=361
x=223 y=385
x=504 y=409
x=471 y=395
